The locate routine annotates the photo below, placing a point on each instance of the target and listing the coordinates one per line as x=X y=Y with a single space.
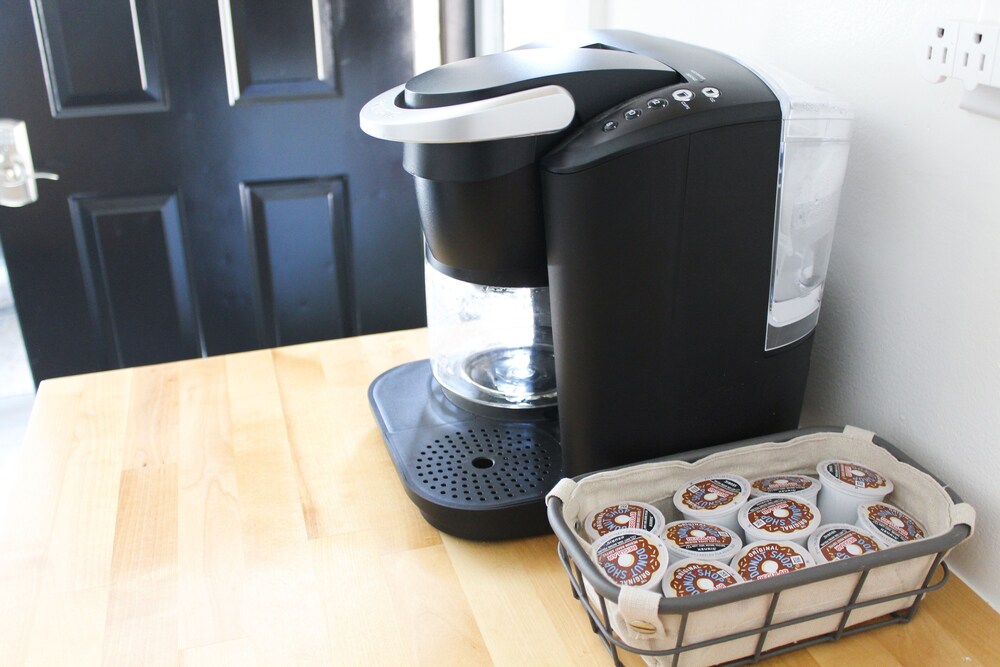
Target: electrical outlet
x=976 y=53
x=968 y=51
x=937 y=43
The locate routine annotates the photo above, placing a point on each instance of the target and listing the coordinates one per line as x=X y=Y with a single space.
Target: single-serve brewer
x=627 y=239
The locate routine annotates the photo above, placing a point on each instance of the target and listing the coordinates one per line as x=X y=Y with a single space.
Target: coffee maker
x=627 y=239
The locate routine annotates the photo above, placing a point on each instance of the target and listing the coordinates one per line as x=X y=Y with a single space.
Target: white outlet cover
x=936 y=45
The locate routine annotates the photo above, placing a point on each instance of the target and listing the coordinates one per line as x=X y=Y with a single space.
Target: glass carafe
x=491 y=347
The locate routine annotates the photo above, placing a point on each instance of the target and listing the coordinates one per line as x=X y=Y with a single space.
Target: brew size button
x=656 y=103
x=632 y=114
x=610 y=125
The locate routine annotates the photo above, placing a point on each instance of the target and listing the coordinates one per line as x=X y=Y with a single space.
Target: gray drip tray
x=470 y=476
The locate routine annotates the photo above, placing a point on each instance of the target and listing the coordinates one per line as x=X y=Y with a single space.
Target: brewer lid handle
x=521 y=114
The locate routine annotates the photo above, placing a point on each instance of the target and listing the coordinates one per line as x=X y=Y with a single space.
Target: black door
x=215 y=192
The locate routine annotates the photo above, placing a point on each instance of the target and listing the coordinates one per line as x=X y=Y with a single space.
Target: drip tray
x=470 y=476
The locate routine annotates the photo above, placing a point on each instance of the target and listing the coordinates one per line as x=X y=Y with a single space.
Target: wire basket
x=746 y=623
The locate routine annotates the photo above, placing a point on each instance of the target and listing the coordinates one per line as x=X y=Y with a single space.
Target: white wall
x=909 y=337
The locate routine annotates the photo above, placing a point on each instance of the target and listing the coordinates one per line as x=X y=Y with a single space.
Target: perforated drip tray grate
x=487 y=465
x=470 y=476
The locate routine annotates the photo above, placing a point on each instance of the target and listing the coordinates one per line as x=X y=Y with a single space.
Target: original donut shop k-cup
x=845 y=486
x=797 y=485
x=626 y=514
x=713 y=498
x=701 y=540
x=695 y=576
x=840 y=541
x=762 y=560
x=889 y=525
x=779 y=517
x=632 y=557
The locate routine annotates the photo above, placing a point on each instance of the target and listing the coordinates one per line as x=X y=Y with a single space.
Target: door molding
x=128 y=76
x=302 y=37
x=116 y=246
x=290 y=239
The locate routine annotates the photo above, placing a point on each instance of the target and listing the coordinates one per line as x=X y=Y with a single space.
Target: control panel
x=662 y=114
x=684 y=99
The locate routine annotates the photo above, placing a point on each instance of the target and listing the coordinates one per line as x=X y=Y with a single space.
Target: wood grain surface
x=243 y=510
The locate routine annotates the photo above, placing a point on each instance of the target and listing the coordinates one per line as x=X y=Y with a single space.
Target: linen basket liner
x=914 y=491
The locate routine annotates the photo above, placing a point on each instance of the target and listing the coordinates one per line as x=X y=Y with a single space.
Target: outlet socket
x=936 y=46
x=968 y=51
x=976 y=53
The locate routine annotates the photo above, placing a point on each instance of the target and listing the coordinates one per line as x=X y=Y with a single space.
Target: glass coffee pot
x=491 y=347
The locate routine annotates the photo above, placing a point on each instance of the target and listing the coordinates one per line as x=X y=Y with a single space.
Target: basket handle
x=640 y=614
x=563 y=490
x=964 y=513
x=860 y=433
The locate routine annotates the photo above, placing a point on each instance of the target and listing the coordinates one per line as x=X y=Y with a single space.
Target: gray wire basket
x=743 y=645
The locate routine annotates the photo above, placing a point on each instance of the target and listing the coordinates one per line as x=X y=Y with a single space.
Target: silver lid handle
x=522 y=114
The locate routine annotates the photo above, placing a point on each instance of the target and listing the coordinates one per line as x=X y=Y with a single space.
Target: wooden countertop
x=243 y=510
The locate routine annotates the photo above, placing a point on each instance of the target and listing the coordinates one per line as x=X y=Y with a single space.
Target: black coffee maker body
x=626 y=245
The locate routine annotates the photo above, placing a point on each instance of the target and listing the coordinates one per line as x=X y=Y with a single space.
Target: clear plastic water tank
x=491 y=347
x=815 y=141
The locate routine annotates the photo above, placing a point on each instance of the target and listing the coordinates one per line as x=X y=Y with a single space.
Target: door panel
x=135 y=274
x=104 y=59
x=243 y=225
x=300 y=227
x=278 y=50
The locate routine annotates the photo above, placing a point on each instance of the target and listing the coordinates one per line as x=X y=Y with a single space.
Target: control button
x=683 y=95
x=656 y=103
x=710 y=92
x=632 y=114
x=610 y=125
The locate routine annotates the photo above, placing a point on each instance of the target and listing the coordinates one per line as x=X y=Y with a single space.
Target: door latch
x=17 y=172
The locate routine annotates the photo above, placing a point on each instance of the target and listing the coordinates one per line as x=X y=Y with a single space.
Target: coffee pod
x=840 y=541
x=632 y=557
x=694 y=576
x=845 y=486
x=792 y=485
x=698 y=539
x=889 y=525
x=779 y=518
x=628 y=514
x=763 y=560
x=714 y=498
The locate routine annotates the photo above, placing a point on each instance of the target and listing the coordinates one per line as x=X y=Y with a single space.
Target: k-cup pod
x=840 y=541
x=762 y=560
x=779 y=518
x=701 y=540
x=803 y=486
x=845 y=486
x=694 y=576
x=632 y=557
x=713 y=498
x=628 y=514
x=889 y=525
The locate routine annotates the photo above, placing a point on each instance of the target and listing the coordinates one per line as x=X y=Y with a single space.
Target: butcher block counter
x=243 y=510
